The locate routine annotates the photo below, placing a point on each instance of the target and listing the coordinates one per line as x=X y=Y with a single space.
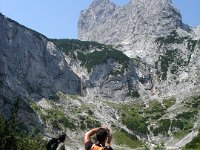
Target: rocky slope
x=152 y=31
x=161 y=94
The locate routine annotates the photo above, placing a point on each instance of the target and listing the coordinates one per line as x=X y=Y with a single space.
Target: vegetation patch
x=134 y=93
x=70 y=45
x=172 y=38
x=192 y=44
x=134 y=121
x=169 y=58
x=1 y=83
x=163 y=127
x=194 y=144
x=98 y=57
x=183 y=122
x=121 y=137
x=88 y=122
x=57 y=118
x=169 y=102
x=35 y=107
x=193 y=102
x=12 y=137
x=154 y=111
x=54 y=98
x=172 y=58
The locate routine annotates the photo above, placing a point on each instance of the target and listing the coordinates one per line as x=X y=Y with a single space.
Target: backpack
x=96 y=147
x=52 y=144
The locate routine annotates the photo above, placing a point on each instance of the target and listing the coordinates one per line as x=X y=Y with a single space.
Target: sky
x=59 y=18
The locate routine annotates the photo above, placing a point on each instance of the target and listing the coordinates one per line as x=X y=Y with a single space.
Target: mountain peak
x=140 y=19
x=98 y=2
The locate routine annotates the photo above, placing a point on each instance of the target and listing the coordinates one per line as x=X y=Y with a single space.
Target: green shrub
x=195 y=102
x=70 y=45
x=163 y=127
x=169 y=58
x=155 y=110
x=194 y=144
x=98 y=57
x=179 y=124
x=134 y=121
x=57 y=117
x=187 y=115
x=134 y=94
x=54 y=97
x=1 y=83
x=172 y=38
x=88 y=122
x=172 y=57
x=12 y=137
x=35 y=107
x=121 y=137
x=169 y=102
x=191 y=44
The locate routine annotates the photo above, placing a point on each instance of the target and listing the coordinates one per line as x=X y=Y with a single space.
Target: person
x=103 y=137
x=61 y=140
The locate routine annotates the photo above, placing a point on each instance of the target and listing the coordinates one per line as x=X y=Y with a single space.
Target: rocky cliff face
x=131 y=28
x=30 y=61
x=31 y=67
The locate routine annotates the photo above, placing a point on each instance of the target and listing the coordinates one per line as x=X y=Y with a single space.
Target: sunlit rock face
x=30 y=64
x=131 y=28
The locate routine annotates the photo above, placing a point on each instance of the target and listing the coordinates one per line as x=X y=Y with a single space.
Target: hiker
x=103 y=137
x=61 y=140
x=57 y=143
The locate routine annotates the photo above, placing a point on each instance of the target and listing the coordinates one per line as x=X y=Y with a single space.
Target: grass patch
x=35 y=107
x=134 y=121
x=194 y=144
x=180 y=134
x=169 y=102
x=121 y=137
x=57 y=118
x=154 y=111
x=86 y=122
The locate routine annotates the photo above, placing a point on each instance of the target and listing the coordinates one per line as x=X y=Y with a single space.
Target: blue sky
x=59 y=18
